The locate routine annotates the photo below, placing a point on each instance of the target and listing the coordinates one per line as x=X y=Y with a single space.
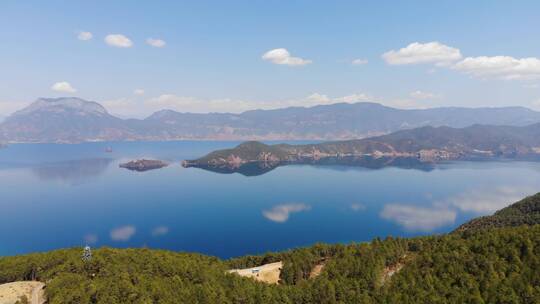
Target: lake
x=56 y=196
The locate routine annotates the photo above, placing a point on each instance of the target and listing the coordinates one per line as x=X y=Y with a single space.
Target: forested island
x=488 y=260
x=142 y=165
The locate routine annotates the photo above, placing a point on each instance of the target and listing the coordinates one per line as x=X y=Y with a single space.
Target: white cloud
x=132 y=107
x=415 y=53
x=504 y=67
x=359 y=61
x=160 y=230
x=128 y=107
x=138 y=92
x=118 y=40
x=63 y=86
x=317 y=99
x=418 y=94
x=282 y=56
x=156 y=42
x=123 y=233
x=499 y=67
x=487 y=201
x=354 y=98
x=418 y=218
x=405 y=103
x=85 y=36
x=195 y=105
x=281 y=213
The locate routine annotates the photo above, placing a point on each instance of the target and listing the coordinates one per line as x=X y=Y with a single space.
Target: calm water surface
x=54 y=196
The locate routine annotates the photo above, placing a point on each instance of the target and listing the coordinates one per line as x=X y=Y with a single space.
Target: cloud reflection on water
x=90 y=239
x=415 y=218
x=487 y=201
x=281 y=213
x=73 y=171
x=439 y=213
x=358 y=207
x=123 y=234
x=160 y=230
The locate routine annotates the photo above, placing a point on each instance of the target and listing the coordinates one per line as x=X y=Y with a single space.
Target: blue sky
x=213 y=57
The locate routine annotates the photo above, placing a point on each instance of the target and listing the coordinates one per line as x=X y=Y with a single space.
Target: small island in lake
x=142 y=165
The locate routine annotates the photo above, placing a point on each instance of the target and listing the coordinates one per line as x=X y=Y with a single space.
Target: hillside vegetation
x=475 y=266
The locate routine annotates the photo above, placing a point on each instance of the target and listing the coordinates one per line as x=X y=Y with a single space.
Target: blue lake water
x=55 y=196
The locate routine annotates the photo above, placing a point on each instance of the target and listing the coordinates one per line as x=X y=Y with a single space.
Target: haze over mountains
x=72 y=120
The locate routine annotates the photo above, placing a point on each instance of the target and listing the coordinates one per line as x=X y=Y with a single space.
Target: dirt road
x=12 y=292
x=268 y=273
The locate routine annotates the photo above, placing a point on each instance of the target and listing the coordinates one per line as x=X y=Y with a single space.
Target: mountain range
x=72 y=120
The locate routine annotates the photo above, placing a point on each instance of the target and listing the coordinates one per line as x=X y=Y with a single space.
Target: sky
x=137 y=57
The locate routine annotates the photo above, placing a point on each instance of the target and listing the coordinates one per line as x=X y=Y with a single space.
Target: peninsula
x=426 y=144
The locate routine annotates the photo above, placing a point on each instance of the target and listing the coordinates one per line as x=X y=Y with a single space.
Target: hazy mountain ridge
x=74 y=120
x=426 y=144
x=58 y=104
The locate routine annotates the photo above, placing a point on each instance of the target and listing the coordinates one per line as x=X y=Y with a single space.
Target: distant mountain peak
x=73 y=103
x=162 y=114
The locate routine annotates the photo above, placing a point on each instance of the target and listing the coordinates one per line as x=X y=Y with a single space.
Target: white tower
x=87 y=254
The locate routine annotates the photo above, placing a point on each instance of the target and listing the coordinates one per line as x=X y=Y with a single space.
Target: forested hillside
x=475 y=266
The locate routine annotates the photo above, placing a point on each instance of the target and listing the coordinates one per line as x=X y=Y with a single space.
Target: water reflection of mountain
x=338 y=163
x=370 y=162
x=73 y=171
x=249 y=169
